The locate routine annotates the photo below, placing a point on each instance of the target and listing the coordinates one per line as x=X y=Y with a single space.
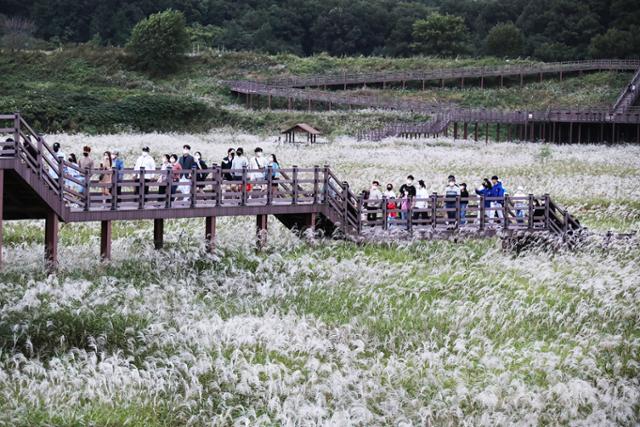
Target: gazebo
x=311 y=132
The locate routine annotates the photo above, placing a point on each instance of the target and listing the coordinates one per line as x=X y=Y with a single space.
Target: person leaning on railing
x=145 y=162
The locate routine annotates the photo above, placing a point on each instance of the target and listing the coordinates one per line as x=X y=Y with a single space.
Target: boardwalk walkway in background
x=35 y=184
x=619 y=122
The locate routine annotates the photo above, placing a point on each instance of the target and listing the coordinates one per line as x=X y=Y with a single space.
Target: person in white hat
x=520 y=204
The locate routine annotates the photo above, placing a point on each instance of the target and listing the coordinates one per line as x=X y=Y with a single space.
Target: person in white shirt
x=239 y=162
x=373 y=204
x=451 y=193
x=146 y=162
x=257 y=165
x=422 y=201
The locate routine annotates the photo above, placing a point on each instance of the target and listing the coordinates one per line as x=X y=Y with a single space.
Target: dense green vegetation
x=551 y=29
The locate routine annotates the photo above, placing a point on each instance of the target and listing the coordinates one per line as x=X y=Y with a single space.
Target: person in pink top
x=176 y=168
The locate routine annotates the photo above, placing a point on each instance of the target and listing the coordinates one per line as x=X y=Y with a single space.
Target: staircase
x=435 y=125
x=629 y=95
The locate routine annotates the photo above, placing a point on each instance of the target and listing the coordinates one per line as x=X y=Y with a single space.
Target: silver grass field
x=323 y=332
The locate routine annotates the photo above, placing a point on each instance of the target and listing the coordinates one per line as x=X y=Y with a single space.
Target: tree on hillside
x=505 y=40
x=440 y=35
x=615 y=43
x=159 y=42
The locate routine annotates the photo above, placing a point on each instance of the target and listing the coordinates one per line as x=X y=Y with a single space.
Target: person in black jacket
x=227 y=162
x=464 y=201
x=186 y=160
x=200 y=165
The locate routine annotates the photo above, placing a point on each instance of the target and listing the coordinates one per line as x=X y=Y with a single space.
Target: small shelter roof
x=303 y=127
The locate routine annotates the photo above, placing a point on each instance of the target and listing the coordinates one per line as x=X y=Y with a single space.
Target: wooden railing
x=344 y=78
x=628 y=95
x=99 y=190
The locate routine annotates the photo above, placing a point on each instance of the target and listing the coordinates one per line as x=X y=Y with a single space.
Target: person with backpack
x=485 y=191
x=257 y=166
x=407 y=193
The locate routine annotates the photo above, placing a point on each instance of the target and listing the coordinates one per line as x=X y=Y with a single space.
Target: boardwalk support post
x=105 y=240
x=261 y=231
x=530 y=223
x=210 y=233
x=51 y=242
x=158 y=233
x=1 y=208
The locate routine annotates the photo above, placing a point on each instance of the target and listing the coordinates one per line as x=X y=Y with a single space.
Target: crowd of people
x=174 y=172
x=412 y=198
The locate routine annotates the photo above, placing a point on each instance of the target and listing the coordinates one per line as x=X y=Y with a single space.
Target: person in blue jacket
x=486 y=191
x=497 y=190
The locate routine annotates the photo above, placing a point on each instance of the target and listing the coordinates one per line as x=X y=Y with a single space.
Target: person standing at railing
x=520 y=204
x=227 y=163
x=162 y=177
x=176 y=172
x=485 y=191
x=275 y=173
x=239 y=162
x=186 y=160
x=373 y=203
x=200 y=165
x=118 y=164
x=451 y=194
x=106 y=176
x=422 y=201
x=86 y=162
x=408 y=194
x=464 y=202
x=497 y=190
x=146 y=162
x=257 y=165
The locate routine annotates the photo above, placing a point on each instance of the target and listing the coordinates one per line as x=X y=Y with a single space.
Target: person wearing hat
x=145 y=162
x=520 y=204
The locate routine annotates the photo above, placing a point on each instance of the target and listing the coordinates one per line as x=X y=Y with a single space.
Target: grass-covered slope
x=96 y=90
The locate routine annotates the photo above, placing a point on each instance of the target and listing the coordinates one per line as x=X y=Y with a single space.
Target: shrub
x=159 y=42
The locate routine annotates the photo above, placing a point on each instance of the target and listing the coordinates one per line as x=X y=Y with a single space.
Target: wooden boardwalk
x=34 y=184
x=619 y=122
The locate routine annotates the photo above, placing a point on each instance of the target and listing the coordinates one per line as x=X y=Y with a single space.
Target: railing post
x=531 y=213
x=316 y=184
x=345 y=206
x=566 y=222
x=482 y=213
x=505 y=211
x=410 y=216
x=16 y=130
x=269 y=185
x=457 y=223
x=61 y=179
x=114 y=189
x=434 y=210
x=243 y=191
x=87 y=189
x=141 y=188
x=39 y=160
x=168 y=180
x=294 y=200
x=325 y=184
x=194 y=186
x=360 y=206
x=385 y=219
x=546 y=210
x=220 y=188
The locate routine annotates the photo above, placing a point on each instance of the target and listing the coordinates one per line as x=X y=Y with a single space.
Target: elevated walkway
x=35 y=184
